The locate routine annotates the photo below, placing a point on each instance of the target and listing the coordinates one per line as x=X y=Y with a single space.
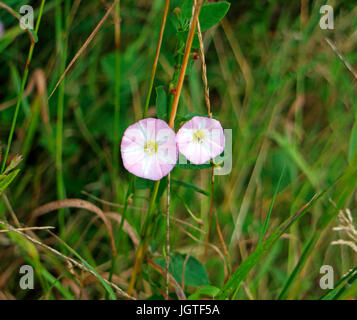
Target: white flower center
x=198 y=136
x=150 y=147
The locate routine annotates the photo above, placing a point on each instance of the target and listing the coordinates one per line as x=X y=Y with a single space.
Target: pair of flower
x=150 y=147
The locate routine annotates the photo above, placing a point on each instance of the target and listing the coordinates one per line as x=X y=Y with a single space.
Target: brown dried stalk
x=75 y=203
x=68 y=259
x=186 y=57
x=84 y=46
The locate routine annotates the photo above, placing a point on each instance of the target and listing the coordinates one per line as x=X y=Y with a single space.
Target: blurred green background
x=274 y=80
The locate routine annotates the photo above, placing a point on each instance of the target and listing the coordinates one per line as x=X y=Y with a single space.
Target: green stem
x=123 y=217
x=23 y=83
x=61 y=34
x=145 y=237
x=116 y=133
x=151 y=84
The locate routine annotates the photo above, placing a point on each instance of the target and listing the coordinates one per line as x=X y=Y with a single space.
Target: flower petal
x=209 y=144
x=152 y=162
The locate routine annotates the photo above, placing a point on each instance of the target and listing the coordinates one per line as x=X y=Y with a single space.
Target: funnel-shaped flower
x=200 y=139
x=148 y=149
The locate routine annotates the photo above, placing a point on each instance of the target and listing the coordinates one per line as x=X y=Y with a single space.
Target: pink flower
x=148 y=149
x=200 y=139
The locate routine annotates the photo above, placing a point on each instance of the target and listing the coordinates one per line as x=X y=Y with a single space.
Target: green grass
x=288 y=98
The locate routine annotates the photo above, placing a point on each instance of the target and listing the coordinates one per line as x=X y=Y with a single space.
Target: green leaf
x=194 y=272
x=161 y=103
x=190 y=186
x=212 y=13
x=191 y=166
x=210 y=291
x=189 y=116
x=5 y=180
x=341 y=286
x=13 y=163
x=106 y=286
x=271 y=207
x=141 y=183
x=234 y=282
x=305 y=254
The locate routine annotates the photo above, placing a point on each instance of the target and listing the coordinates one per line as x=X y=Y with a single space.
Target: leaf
x=341 y=286
x=161 y=103
x=189 y=116
x=210 y=291
x=13 y=163
x=271 y=207
x=234 y=282
x=141 y=183
x=189 y=165
x=212 y=13
x=305 y=254
x=195 y=273
x=5 y=180
x=190 y=186
x=297 y=157
x=101 y=280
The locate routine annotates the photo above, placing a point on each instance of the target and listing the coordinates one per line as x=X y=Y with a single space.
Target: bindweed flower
x=149 y=149
x=200 y=139
x=2 y=29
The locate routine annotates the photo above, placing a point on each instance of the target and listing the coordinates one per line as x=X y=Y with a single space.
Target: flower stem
x=186 y=57
x=140 y=255
x=151 y=84
x=145 y=237
x=148 y=225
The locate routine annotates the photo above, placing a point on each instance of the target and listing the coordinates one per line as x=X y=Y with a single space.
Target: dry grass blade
x=215 y=248
x=29 y=229
x=341 y=57
x=134 y=238
x=38 y=80
x=112 y=204
x=180 y=293
x=68 y=259
x=177 y=220
x=126 y=227
x=9 y=207
x=75 y=203
x=84 y=46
